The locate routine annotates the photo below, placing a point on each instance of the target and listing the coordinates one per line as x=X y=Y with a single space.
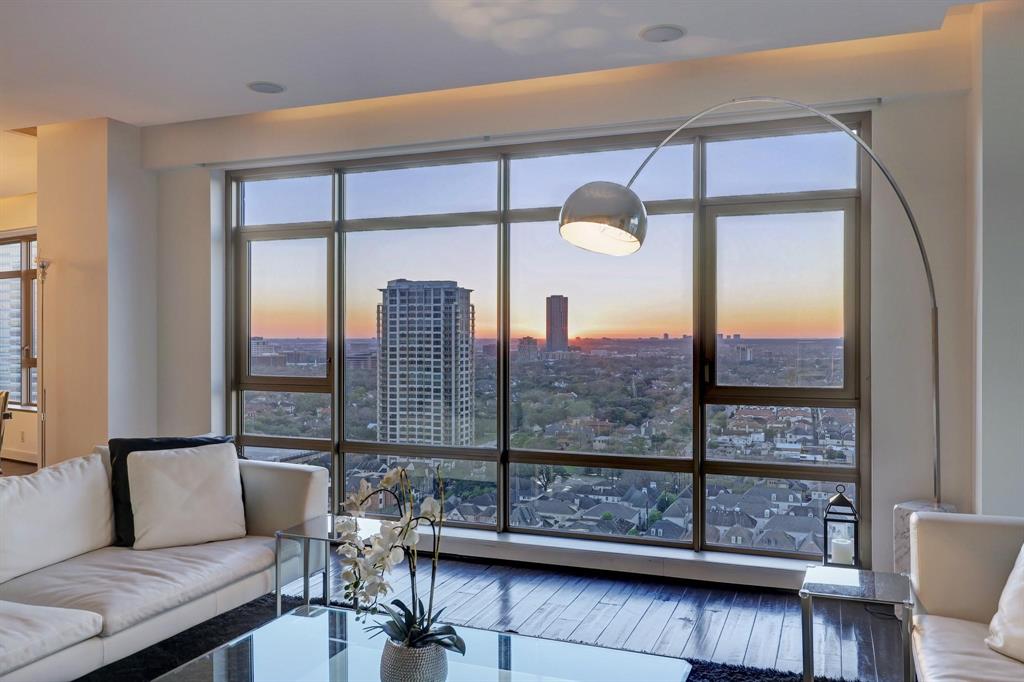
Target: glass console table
x=316 y=644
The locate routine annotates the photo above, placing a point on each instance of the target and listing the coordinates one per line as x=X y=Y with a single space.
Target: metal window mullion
x=257 y=382
x=236 y=263
x=25 y=352
x=729 y=467
x=369 y=447
x=287 y=229
x=338 y=375
x=585 y=459
x=259 y=440
x=413 y=222
x=624 y=539
x=698 y=487
x=782 y=397
x=782 y=199
x=863 y=285
x=504 y=346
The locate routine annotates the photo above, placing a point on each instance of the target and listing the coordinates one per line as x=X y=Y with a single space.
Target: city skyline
x=763 y=291
x=785 y=268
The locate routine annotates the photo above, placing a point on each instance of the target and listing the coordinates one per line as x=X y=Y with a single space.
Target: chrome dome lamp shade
x=604 y=217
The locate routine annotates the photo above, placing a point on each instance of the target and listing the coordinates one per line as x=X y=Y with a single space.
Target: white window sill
x=646 y=560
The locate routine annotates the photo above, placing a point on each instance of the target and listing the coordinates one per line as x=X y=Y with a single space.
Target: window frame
x=854 y=202
x=27 y=273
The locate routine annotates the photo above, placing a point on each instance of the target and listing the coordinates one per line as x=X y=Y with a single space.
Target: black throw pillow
x=120 y=448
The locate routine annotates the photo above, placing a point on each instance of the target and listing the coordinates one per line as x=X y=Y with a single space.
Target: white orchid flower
x=431 y=509
x=346 y=524
x=391 y=478
x=348 y=551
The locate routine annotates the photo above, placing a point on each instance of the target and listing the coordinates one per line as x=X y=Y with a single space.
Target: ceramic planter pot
x=405 y=664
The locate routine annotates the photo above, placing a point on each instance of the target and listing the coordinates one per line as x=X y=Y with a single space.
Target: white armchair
x=959 y=564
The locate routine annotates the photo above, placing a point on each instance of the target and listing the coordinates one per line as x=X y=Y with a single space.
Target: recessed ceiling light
x=662 y=33
x=265 y=87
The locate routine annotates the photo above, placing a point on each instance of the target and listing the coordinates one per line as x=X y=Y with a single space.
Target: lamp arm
x=836 y=123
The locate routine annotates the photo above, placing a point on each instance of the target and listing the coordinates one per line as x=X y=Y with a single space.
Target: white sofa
x=959 y=564
x=71 y=603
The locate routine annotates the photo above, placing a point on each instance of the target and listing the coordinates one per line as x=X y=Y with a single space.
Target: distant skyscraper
x=425 y=367
x=527 y=349
x=558 y=323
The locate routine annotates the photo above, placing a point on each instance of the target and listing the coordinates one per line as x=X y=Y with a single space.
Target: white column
x=998 y=168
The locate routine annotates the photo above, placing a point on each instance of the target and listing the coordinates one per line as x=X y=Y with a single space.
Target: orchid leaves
x=418 y=630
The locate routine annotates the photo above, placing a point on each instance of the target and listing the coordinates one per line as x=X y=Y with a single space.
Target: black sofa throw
x=120 y=448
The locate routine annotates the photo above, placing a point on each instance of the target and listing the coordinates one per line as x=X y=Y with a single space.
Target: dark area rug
x=707 y=671
x=167 y=655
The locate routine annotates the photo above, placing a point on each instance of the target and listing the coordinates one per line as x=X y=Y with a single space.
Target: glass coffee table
x=317 y=644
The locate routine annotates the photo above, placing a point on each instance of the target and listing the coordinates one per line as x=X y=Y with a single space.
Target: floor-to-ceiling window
x=283 y=267
x=704 y=392
x=18 y=319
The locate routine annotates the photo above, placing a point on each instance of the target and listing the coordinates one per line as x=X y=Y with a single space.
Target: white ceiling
x=158 y=61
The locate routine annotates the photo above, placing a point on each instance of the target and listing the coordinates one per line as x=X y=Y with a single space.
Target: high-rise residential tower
x=557 y=323
x=425 y=367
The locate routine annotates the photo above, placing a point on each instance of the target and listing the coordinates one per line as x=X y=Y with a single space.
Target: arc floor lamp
x=610 y=218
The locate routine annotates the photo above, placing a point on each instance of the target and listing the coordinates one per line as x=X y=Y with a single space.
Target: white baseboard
x=647 y=560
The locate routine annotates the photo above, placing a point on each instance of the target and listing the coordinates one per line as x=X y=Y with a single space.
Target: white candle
x=842 y=551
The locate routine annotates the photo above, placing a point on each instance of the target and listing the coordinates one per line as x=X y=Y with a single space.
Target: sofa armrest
x=279 y=495
x=959 y=562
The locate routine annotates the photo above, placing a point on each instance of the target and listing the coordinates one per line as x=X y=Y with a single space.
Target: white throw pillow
x=186 y=497
x=58 y=512
x=1006 y=631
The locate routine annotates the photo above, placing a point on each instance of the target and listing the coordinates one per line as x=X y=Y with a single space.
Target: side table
x=851 y=584
x=317 y=529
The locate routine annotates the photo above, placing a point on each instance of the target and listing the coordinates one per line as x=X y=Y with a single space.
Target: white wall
x=17 y=164
x=924 y=142
x=919 y=129
x=73 y=235
x=97 y=227
x=997 y=162
x=131 y=287
x=191 y=302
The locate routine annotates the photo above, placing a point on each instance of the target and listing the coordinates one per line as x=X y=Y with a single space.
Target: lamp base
x=901 y=529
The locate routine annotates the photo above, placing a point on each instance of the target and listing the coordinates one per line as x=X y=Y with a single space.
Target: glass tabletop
x=314 y=644
x=856 y=585
x=322 y=528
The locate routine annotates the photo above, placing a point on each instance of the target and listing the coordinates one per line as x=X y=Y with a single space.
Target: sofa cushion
x=954 y=650
x=28 y=633
x=1006 y=630
x=58 y=512
x=186 y=496
x=119 y=449
x=127 y=586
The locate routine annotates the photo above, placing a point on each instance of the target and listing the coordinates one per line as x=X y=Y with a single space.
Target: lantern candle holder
x=842 y=524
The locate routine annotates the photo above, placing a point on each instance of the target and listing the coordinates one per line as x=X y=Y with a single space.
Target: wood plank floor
x=12 y=467
x=727 y=624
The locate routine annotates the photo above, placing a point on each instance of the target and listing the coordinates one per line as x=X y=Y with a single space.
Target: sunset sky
x=779 y=275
